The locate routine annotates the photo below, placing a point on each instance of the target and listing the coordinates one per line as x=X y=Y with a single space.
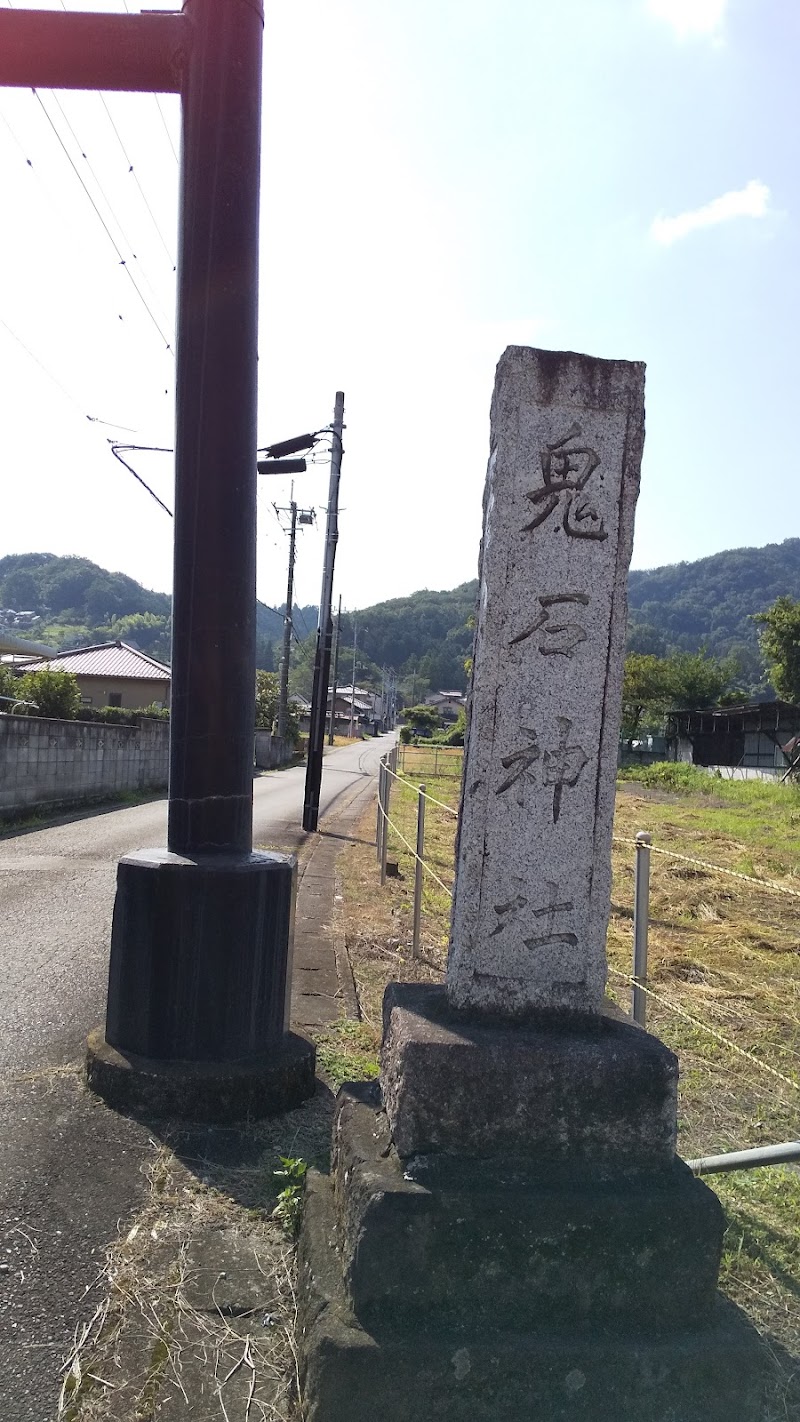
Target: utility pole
x=305 y=516
x=322 y=660
x=353 y=679
x=336 y=640
x=198 y=1000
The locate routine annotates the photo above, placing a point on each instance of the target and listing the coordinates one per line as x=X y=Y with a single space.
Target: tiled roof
x=111 y=659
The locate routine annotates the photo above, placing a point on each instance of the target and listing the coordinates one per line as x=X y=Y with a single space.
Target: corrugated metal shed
x=109 y=659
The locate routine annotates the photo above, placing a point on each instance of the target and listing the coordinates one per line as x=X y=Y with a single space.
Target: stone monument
x=508 y=1232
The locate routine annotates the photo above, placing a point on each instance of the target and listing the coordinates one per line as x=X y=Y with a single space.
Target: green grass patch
x=347 y=1051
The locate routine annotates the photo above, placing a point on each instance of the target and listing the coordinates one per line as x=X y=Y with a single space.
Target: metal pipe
x=51 y=49
x=746 y=1159
x=418 y=871
x=641 y=910
x=213 y=647
x=379 y=827
x=387 y=799
x=380 y=809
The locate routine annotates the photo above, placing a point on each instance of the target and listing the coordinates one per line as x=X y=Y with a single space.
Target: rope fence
x=641 y=991
x=404 y=780
x=715 y=868
x=704 y=1027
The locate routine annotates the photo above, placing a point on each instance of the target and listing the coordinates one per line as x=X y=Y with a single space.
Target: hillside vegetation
x=78 y=603
x=426 y=637
x=710 y=603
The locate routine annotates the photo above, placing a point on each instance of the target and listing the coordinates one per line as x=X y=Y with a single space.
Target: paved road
x=69 y=1168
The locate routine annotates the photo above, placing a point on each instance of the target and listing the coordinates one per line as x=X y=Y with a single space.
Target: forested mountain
x=77 y=603
x=710 y=603
x=425 y=637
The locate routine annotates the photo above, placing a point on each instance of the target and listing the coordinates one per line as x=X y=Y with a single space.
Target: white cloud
x=690 y=17
x=749 y=201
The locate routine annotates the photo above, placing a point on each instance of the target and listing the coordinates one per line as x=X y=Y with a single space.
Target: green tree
x=646 y=692
x=780 y=643
x=145 y=630
x=652 y=685
x=698 y=680
x=421 y=719
x=267 y=693
x=54 y=693
x=8 y=686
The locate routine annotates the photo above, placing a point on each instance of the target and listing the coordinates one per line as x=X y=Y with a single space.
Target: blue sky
x=440 y=179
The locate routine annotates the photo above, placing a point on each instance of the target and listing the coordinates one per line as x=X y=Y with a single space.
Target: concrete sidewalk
x=189 y=1318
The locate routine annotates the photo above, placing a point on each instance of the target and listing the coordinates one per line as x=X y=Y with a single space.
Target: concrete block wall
x=45 y=762
x=271 y=751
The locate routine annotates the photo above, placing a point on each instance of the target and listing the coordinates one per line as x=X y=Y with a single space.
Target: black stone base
x=202 y=1091
x=710 y=1374
x=200 y=965
x=494 y=1245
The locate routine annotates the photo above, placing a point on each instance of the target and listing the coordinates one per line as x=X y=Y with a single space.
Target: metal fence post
x=641 y=911
x=418 y=868
x=387 y=792
x=379 y=827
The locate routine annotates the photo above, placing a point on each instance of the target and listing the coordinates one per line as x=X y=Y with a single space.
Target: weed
x=289 y=1208
x=348 y=1051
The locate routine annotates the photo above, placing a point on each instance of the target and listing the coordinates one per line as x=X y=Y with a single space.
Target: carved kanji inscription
x=532 y=889
x=567 y=467
x=561 y=765
x=559 y=637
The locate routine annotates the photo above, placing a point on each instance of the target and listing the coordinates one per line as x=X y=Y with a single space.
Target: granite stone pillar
x=507 y=1231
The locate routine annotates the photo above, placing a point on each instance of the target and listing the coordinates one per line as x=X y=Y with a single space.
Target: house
x=110 y=674
x=750 y=737
x=447 y=703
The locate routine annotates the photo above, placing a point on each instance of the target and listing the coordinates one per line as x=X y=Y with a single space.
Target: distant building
x=447 y=703
x=750 y=737
x=111 y=674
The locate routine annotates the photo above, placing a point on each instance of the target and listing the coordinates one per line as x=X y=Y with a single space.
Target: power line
x=101 y=189
x=155 y=98
x=106 y=228
x=93 y=419
x=135 y=177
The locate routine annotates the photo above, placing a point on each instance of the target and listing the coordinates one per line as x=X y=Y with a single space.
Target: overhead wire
x=106 y=228
x=93 y=419
x=135 y=176
x=156 y=100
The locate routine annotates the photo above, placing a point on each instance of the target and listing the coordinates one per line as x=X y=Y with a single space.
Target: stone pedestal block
x=494 y=1245
x=587 y=1090
x=452 y=1373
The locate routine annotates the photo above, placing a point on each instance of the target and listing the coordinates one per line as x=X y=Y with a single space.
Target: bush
x=453 y=735
x=671 y=775
x=53 y=693
x=123 y=715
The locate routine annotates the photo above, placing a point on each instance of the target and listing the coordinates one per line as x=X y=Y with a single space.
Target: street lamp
x=319 y=697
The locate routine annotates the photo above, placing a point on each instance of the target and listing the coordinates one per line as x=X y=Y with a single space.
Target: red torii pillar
x=199 y=984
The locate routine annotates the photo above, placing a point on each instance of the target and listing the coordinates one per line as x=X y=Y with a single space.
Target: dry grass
x=171 y=1328
x=727 y=953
